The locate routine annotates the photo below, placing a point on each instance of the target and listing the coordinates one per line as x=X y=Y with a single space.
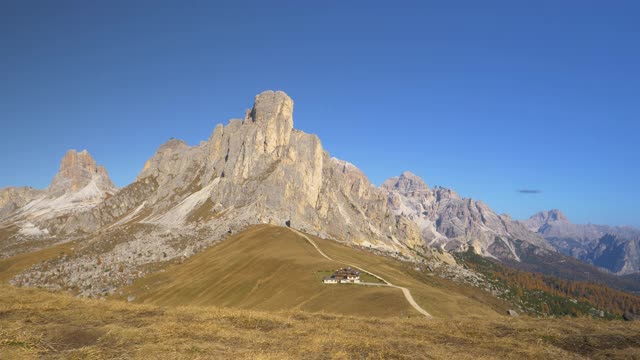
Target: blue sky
x=485 y=97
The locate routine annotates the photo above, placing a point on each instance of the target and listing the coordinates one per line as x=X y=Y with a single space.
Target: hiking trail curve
x=405 y=291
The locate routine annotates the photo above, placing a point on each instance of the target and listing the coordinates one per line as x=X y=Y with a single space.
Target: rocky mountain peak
x=260 y=170
x=73 y=159
x=173 y=144
x=447 y=220
x=272 y=106
x=406 y=183
x=273 y=112
x=555 y=215
x=614 y=248
x=77 y=170
x=538 y=220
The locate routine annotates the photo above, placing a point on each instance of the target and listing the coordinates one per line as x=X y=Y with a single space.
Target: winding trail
x=405 y=291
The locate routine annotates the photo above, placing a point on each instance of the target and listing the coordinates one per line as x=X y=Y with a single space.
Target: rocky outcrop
x=13 y=198
x=542 y=218
x=78 y=187
x=259 y=169
x=554 y=224
x=253 y=170
x=77 y=171
x=613 y=248
x=454 y=223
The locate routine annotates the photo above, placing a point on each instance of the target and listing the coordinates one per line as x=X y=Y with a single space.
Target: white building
x=343 y=276
x=329 y=280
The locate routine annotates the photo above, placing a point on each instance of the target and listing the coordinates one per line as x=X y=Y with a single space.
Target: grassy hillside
x=303 y=317
x=440 y=297
x=39 y=324
x=11 y=266
x=273 y=268
x=265 y=268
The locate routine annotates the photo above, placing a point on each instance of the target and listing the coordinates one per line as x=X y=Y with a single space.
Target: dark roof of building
x=348 y=271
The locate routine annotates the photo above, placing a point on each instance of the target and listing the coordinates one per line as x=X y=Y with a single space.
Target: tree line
x=599 y=296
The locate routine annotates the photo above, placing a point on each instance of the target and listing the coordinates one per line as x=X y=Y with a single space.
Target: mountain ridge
x=612 y=248
x=254 y=170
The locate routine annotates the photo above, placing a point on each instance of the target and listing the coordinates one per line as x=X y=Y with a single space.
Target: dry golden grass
x=265 y=268
x=12 y=266
x=440 y=297
x=14 y=245
x=38 y=324
x=272 y=268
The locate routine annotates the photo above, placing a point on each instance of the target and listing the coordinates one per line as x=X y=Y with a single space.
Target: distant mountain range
x=259 y=169
x=613 y=248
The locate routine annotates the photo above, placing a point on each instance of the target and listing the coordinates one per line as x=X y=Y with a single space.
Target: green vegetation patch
x=547 y=295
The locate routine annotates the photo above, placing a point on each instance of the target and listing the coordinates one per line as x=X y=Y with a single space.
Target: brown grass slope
x=440 y=297
x=11 y=266
x=39 y=324
x=265 y=268
x=273 y=268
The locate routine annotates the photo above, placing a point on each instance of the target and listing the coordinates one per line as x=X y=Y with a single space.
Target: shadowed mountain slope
x=613 y=248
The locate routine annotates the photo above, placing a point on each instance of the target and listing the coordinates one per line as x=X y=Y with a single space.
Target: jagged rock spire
x=77 y=170
x=273 y=110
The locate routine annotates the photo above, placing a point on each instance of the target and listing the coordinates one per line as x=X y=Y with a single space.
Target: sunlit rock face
x=77 y=170
x=13 y=198
x=263 y=170
x=449 y=221
x=79 y=185
x=257 y=169
x=31 y=218
x=260 y=169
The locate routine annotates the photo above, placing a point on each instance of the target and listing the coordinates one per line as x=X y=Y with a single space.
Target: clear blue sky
x=485 y=97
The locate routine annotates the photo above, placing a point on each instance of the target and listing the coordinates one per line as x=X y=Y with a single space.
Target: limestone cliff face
x=408 y=195
x=77 y=170
x=13 y=198
x=454 y=223
x=260 y=169
x=257 y=169
x=79 y=186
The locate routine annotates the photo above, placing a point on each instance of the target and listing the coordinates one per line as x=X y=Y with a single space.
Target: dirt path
x=405 y=291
